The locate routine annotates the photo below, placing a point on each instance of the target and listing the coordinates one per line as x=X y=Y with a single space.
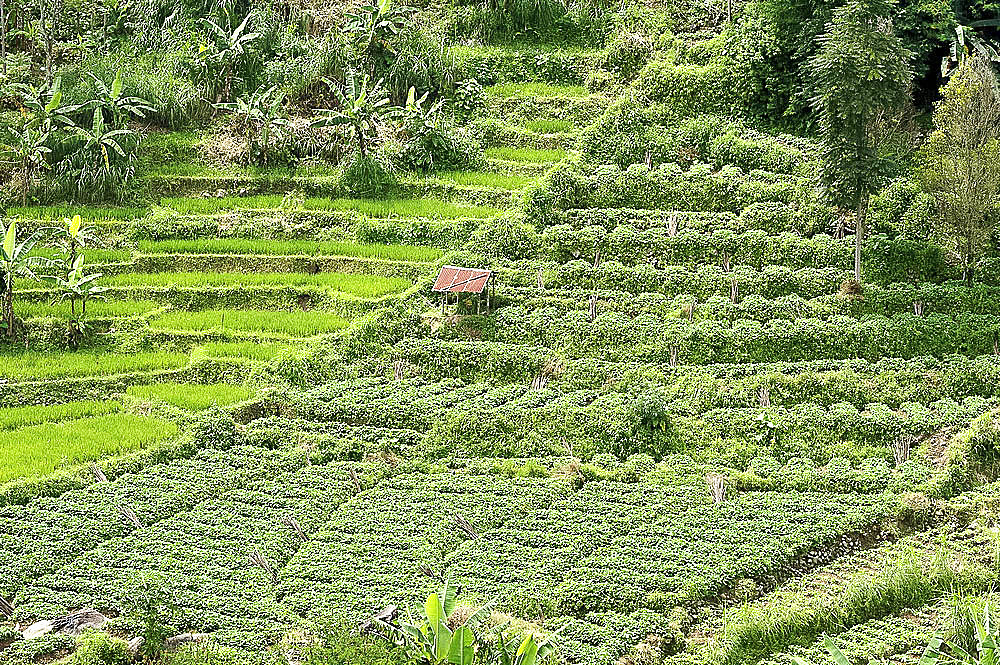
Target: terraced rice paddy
x=681 y=434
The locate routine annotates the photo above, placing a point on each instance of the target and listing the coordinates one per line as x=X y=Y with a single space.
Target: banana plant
x=76 y=285
x=44 y=106
x=71 y=237
x=362 y=107
x=112 y=101
x=967 y=43
x=258 y=114
x=24 y=147
x=435 y=639
x=376 y=24
x=99 y=138
x=16 y=261
x=230 y=49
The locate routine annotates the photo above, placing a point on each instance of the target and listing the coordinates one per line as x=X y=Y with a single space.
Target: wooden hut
x=458 y=281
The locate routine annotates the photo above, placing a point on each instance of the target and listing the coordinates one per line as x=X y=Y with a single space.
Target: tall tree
x=961 y=161
x=862 y=75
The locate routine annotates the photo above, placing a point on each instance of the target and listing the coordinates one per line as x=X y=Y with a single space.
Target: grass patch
x=87 y=213
x=192 y=397
x=296 y=324
x=377 y=208
x=290 y=247
x=484 y=179
x=25 y=416
x=95 y=309
x=548 y=126
x=31 y=365
x=536 y=89
x=91 y=255
x=196 y=170
x=364 y=286
x=526 y=154
x=247 y=350
x=38 y=450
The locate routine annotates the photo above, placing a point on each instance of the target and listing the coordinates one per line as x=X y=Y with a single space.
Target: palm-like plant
x=16 y=261
x=76 y=285
x=45 y=108
x=99 y=138
x=24 y=147
x=230 y=49
x=114 y=104
x=375 y=24
x=362 y=106
x=73 y=236
x=435 y=639
x=258 y=113
x=968 y=43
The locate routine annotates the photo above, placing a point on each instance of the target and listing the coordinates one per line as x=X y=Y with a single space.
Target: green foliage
x=429 y=140
x=30 y=365
x=438 y=637
x=289 y=247
x=360 y=285
x=367 y=175
x=861 y=71
x=961 y=167
x=152 y=606
x=258 y=115
x=97 y=648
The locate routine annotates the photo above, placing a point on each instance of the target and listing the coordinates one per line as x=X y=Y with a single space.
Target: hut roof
x=453 y=279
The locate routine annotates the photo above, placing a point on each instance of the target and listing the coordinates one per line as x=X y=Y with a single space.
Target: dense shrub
x=97 y=648
x=366 y=176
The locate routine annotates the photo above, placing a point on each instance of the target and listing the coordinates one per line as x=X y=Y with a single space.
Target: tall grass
x=296 y=324
x=31 y=365
x=95 y=308
x=536 y=155
x=41 y=449
x=365 y=286
x=23 y=416
x=290 y=247
x=536 y=89
x=246 y=350
x=190 y=396
x=378 y=208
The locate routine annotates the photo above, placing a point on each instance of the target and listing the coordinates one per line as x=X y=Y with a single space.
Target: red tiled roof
x=453 y=279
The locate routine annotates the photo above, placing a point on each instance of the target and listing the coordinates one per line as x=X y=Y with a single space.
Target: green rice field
x=191 y=396
x=526 y=154
x=296 y=324
x=24 y=416
x=289 y=248
x=35 y=450
x=376 y=208
x=34 y=365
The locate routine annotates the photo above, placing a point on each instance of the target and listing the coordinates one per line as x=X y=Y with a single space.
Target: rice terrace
x=499 y=332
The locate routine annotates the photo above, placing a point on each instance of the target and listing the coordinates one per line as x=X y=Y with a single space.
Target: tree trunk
x=3 y=36
x=8 y=307
x=859 y=232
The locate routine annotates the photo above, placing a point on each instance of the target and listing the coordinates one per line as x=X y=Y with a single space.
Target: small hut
x=476 y=281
